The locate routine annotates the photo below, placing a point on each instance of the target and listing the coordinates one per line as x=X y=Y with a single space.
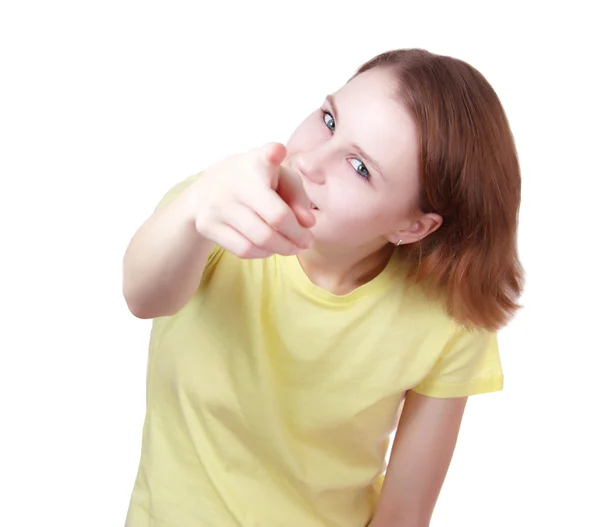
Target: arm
x=165 y=259
x=420 y=458
x=246 y=204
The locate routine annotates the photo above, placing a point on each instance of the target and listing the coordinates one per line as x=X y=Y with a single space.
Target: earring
x=398 y=243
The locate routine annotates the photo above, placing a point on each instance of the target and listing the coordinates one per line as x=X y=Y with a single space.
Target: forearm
x=419 y=461
x=164 y=261
x=405 y=519
x=405 y=522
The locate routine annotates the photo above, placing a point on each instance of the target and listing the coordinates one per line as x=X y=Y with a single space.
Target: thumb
x=291 y=190
x=304 y=216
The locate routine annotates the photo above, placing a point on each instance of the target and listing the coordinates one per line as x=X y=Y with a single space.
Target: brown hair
x=470 y=175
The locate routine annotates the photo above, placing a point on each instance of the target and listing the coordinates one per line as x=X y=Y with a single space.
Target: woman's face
x=358 y=157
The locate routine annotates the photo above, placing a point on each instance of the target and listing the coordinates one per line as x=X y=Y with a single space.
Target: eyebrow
x=359 y=150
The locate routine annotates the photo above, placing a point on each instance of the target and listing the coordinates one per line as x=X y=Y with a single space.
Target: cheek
x=363 y=210
x=356 y=205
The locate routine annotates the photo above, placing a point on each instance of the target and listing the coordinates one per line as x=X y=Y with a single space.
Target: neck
x=341 y=270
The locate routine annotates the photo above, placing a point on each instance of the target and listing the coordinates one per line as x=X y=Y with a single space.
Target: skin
x=422 y=451
x=258 y=203
x=365 y=205
x=358 y=158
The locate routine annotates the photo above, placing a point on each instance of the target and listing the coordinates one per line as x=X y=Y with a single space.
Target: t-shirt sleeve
x=468 y=365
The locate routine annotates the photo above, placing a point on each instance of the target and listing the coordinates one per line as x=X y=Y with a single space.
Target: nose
x=311 y=165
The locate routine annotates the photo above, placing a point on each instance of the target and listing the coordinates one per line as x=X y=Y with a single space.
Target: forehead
x=376 y=83
x=372 y=116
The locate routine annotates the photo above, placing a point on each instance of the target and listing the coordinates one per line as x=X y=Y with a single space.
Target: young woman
x=311 y=299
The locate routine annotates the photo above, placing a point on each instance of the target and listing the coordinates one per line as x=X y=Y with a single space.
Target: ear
x=418 y=229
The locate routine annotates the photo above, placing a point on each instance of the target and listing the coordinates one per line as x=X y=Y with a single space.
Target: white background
x=105 y=105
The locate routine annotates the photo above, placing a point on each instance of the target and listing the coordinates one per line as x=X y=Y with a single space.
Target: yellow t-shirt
x=270 y=401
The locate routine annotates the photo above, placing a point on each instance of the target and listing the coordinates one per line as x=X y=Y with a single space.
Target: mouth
x=314 y=207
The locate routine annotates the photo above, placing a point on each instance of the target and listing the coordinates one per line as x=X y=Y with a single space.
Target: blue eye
x=357 y=164
x=328 y=120
x=360 y=168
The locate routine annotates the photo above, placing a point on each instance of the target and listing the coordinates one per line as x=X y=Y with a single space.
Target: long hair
x=470 y=175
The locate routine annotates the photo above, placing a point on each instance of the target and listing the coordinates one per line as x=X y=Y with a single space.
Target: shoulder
x=462 y=361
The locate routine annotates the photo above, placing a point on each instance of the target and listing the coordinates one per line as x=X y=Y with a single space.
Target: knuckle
x=245 y=250
x=278 y=217
x=265 y=238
